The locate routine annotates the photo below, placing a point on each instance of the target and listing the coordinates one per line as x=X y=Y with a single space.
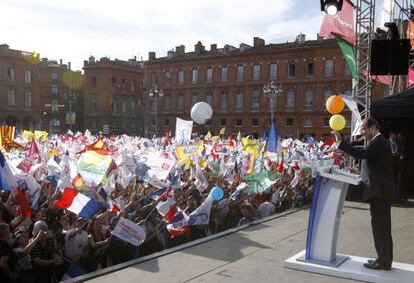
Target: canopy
x=400 y=105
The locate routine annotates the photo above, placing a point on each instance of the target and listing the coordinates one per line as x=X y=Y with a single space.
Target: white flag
x=356 y=116
x=130 y=232
x=183 y=131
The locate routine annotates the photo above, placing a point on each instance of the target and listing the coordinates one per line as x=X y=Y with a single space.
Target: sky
x=73 y=30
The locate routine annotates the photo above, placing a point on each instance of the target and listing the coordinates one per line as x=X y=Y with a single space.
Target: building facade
x=19 y=88
x=113 y=96
x=231 y=80
x=61 y=97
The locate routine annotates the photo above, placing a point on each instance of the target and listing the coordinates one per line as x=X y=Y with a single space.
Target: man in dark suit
x=378 y=187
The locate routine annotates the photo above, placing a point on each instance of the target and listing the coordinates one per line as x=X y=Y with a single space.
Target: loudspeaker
x=390 y=56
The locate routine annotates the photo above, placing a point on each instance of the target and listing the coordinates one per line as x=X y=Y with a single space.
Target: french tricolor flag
x=78 y=203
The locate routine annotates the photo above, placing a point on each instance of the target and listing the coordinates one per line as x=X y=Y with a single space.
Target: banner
x=356 y=116
x=159 y=166
x=183 y=131
x=341 y=24
x=348 y=52
x=410 y=33
x=129 y=232
x=387 y=7
x=188 y=150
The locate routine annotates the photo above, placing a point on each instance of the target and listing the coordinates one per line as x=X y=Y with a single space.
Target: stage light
x=331 y=7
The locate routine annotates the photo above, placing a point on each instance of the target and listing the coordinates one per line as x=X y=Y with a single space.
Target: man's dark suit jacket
x=376 y=168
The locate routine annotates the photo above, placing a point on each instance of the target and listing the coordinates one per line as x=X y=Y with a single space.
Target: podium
x=320 y=255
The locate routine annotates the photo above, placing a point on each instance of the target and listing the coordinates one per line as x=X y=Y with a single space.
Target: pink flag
x=384 y=79
x=340 y=24
x=33 y=148
x=410 y=77
x=25 y=165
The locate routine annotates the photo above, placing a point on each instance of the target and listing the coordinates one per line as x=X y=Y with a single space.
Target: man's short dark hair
x=372 y=122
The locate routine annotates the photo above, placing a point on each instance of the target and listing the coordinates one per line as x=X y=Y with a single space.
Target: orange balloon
x=335 y=104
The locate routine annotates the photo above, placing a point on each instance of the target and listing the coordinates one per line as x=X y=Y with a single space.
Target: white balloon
x=201 y=112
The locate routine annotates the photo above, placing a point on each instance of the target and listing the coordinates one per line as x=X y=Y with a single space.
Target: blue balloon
x=217 y=193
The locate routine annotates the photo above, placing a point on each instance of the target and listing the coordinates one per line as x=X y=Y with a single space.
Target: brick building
x=113 y=96
x=61 y=96
x=19 y=88
x=231 y=80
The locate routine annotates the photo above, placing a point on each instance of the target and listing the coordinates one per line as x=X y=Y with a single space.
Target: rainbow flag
x=93 y=166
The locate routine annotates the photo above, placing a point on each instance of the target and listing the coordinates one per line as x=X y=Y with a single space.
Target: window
x=309 y=97
x=54 y=76
x=255 y=122
x=11 y=98
x=329 y=67
x=154 y=78
x=114 y=104
x=167 y=78
x=180 y=77
x=54 y=89
x=291 y=70
x=180 y=101
x=328 y=91
x=54 y=107
x=256 y=98
x=309 y=69
x=239 y=99
x=326 y=122
x=166 y=122
x=308 y=123
x=348 y=90
x=94 y=104
x=27 y=76
x=273 y=71
x=289 y=122
x=132 y=107
x=239 y=122
x=240 y=73
x=194 y=98
x=123 y=106
x=209 y=97
x=223 y=122
x=256 y=72
x=223 y=99
x=194 y=76
x=224 y=74
x=94 y=82
x=28 y=99
x=10 y=74
x=209 y=75
x=290 y=99
x=347 y=69
x=167 y=101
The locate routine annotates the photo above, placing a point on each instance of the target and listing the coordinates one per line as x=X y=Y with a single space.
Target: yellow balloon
x=337 y=122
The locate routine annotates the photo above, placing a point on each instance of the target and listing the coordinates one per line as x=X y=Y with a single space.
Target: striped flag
x=78 y=203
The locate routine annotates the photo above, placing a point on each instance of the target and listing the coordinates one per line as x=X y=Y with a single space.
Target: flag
x=33 y=150
x=23 y=203
x=167 y=137
x=410 y=33
x=222 y=131
x=78 y=203
x=12 y=144
x=6 y=133
x=271 y=141
x=340 y=24
x=387 y=8
x=327 y=144
x=8 y=181
x=201 y=216
x=25 y=165
x=261 y=181
x=410 y=80
x=348 y=52
x=92 y=166
x=183 y=130
x=130 y=232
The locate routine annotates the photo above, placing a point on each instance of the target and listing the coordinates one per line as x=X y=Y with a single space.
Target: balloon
x=217 y=193
x=201 y=112
x=337 y=122
x=335 y=104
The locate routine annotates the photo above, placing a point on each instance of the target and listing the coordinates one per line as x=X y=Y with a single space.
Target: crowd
x=42 y=242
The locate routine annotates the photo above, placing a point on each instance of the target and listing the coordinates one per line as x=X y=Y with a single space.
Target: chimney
x=199 y=48
x=213 y=47
x=301 y=38
x=258 y=42
x=180 y=50
x=151 y=56
x=68 y=65
x=61 y=61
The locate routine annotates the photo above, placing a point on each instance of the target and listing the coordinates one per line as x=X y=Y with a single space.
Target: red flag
x=25 y=165
x=33 y=150
x=280 y=165
x=167 y=137
x=385 y=80
x=24 y=204
x=341 y=24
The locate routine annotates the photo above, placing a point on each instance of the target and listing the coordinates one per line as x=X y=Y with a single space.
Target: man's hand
x=337 y=136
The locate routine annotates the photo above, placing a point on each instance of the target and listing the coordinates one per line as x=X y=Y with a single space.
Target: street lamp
x=272 y=90
x=156 y=93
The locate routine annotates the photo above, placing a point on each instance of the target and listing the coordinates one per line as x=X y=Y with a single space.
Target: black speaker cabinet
x=390 y=57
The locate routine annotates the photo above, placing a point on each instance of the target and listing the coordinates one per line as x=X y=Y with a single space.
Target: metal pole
x=156 y=113
x=272 y=115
